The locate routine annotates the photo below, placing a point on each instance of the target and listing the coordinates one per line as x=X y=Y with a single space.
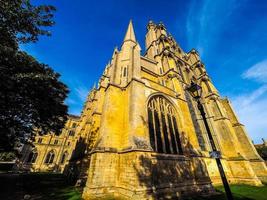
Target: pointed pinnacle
x=114 y=52
x=130 y=33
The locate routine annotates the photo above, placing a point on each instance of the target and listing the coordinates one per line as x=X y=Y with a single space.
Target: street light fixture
x=196 y=92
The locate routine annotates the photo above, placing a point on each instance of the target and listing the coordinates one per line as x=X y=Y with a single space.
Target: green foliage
x=262 y=152
x=20 y=21
x=7 y=156
x=31 y=94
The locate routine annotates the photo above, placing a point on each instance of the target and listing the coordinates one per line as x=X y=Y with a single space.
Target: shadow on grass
x=37 y=186
x=41 y=186
x=66 y=193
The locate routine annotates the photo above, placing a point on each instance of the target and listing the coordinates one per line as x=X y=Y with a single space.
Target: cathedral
x=144 y=135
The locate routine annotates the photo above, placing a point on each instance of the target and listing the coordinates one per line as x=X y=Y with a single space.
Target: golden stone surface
x=115 y=127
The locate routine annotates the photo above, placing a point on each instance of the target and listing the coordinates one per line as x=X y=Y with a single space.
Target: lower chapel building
x=140 y=134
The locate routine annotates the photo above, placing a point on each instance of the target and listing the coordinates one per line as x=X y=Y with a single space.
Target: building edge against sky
x=143 y=133
x=148 y=124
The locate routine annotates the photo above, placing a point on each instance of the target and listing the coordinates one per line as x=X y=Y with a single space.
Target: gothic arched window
x=163 y=129
x=32 y=157
x=50 y=157
x=63 y=158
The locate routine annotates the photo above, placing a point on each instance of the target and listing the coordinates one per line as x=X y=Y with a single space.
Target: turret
x=161 y=30
x=157 y=39
x=126 y=62
x=151 y=39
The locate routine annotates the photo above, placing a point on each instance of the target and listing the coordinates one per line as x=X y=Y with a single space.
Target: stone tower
x=145 y=136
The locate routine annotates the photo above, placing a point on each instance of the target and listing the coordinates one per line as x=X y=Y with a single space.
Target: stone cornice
x=149 y=60
x=237 y=124
x=149 y=72
x=124 y=87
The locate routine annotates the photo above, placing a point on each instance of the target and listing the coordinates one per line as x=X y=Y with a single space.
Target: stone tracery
x=163 y=129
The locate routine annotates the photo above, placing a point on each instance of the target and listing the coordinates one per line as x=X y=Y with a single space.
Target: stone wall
x=138 y=174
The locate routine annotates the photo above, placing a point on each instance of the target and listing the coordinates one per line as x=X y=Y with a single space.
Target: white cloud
x=70 y=101
x=251 y=107
x=248 y=99
x=81 y=92
x=257 y=72
x=253 y=116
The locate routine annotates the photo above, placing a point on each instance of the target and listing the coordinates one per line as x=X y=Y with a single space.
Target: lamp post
x=196 y=91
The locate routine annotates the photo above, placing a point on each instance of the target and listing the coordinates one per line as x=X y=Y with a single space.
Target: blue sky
x=230 y=35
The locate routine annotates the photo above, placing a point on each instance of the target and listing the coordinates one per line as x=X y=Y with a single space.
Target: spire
x=130 y=33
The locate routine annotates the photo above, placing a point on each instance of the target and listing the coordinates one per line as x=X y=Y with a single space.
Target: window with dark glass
x=162 y=124
x=50 y=157
x=32 y=157
x=64 y=157
x=40 y=140
x=56 y=142
x=124 y=71
x=71 y=133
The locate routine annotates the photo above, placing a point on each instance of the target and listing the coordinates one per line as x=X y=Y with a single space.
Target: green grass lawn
x=240 y=192
x=66 y=193
x=54 y=187
x=247 y=192
x=39 y=186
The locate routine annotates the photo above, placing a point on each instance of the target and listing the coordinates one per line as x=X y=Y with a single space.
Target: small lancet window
x=125 y=71
x=71 y=133
x=50 y=157
x=32 y=157
x=64 y=157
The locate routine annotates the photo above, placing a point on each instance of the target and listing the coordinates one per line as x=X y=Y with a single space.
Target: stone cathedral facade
x=144 y=136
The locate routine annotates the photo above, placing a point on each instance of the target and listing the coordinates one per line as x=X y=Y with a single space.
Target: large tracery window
x=163 y=129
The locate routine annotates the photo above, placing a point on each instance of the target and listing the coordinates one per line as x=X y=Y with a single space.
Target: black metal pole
x=218 y=161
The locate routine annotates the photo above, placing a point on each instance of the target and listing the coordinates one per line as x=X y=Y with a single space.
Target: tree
x=20 y=21
x=262 y=150
x=31 y=94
